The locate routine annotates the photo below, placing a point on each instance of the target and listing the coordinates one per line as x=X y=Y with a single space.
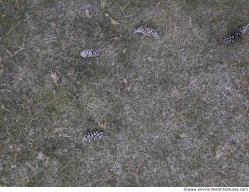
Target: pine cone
x=90 y=53
x=147 y=31
x=94 y=135
x=236 y=35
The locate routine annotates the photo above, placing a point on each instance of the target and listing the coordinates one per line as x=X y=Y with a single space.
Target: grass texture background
x=175 y=109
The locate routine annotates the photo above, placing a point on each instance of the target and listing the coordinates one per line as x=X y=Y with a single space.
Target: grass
x=181 y=119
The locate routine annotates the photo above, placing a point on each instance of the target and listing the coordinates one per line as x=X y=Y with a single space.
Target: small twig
x=14 y=54
x=17 y=24
x=9 y=52
x=101 y=181
x=124 y=7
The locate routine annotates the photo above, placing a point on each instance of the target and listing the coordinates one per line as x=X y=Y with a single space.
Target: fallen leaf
x=41 y=156
x=122 y=83
x=55 y=77
x=87 y=13
x=114 y=22
x=103 y=124
x=103 y=4
x=183 y=135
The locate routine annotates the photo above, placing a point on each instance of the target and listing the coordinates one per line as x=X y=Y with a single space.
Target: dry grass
x=175 y=109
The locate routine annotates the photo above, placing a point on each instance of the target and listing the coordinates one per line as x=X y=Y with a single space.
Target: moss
x=6 y=22
x=35 y=181
x=48 y=3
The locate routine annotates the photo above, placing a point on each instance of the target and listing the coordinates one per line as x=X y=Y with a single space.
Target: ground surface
x=175 y=109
